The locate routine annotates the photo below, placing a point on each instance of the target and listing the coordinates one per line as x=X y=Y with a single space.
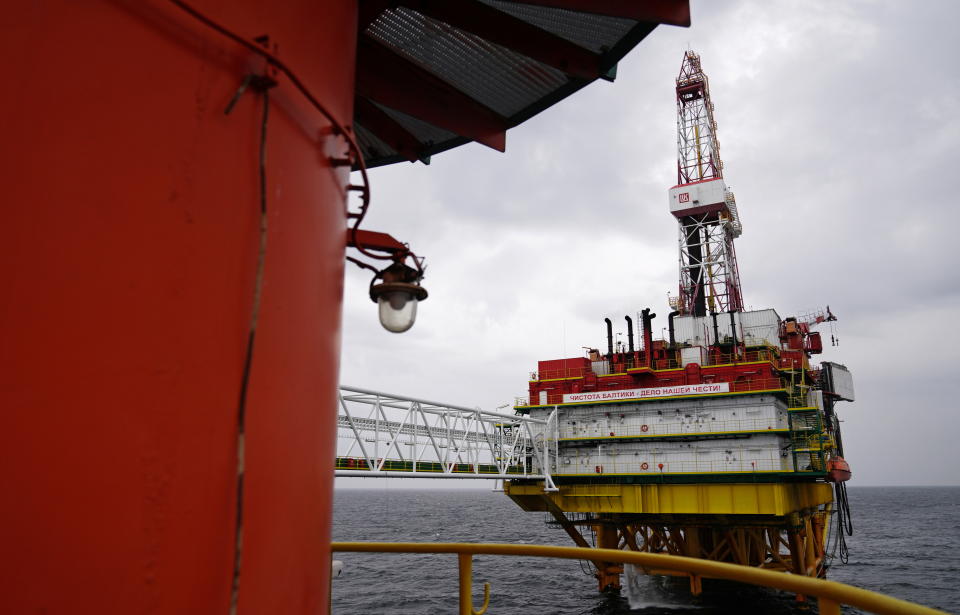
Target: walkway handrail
x=429 y=406
x=829 y=593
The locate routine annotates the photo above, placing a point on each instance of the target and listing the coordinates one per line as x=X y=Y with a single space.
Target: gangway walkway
x=385 y=435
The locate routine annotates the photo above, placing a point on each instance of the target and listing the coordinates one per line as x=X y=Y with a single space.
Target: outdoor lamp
x=399 y=290
x=397 y=296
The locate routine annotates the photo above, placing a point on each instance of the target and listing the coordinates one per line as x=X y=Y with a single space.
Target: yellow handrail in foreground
x=830 y=594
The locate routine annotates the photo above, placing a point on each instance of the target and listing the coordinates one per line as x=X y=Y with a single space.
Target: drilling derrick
x=704 y=207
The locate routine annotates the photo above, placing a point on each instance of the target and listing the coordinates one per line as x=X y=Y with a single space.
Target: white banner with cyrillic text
x=682 y=389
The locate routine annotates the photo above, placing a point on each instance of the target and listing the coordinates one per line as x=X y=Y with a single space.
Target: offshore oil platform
x=720 y=442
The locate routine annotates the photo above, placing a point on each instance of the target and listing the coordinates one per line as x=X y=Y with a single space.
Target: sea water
x=906 y=544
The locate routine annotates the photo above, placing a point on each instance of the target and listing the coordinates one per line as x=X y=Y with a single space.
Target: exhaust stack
x=648 y=334
x=609 y=338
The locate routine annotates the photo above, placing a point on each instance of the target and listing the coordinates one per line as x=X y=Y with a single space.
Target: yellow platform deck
x=775 y=499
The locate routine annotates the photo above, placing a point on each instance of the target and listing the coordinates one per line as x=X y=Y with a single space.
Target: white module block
x=760 y=328
x=693 y=354
x=706 y=194
x=692 y=330
x=671 y=417
x=759 y=453
x=756 y=328
x=600 y=368
x=725 y=330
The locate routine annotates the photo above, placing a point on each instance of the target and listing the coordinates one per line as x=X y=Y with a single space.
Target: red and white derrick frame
x=705 y=209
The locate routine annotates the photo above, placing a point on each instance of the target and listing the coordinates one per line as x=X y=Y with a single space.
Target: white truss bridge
x=385 y=435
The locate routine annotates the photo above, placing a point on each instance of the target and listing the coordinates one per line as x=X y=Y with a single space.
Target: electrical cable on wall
x=263 y=84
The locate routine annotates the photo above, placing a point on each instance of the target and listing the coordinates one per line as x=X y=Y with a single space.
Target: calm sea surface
x=906 y=544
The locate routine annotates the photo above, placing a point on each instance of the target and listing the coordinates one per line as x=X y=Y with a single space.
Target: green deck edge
x=391 y=465
x=686 y=479
x=713 y=435
x=640 y=400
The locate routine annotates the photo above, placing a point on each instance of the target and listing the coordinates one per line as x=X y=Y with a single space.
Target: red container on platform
x=563 y=368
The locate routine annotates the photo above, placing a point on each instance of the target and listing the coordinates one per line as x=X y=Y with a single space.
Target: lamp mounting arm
x=381 y=246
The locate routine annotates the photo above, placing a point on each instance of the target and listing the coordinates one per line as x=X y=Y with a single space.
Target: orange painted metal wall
x=131 y=213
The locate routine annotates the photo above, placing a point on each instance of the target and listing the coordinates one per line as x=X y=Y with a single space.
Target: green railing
x=830 y=594
x=400 y=465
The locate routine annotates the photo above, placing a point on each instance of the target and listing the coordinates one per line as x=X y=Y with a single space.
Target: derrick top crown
x=698 y=151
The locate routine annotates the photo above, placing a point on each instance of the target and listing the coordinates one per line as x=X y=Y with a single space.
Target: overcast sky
x=839 y=126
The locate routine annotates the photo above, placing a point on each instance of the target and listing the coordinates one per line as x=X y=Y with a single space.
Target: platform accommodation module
x=720 y=442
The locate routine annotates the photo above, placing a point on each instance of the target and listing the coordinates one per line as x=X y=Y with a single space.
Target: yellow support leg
x=696 y=584
x=608 y=573
x=828 y=607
